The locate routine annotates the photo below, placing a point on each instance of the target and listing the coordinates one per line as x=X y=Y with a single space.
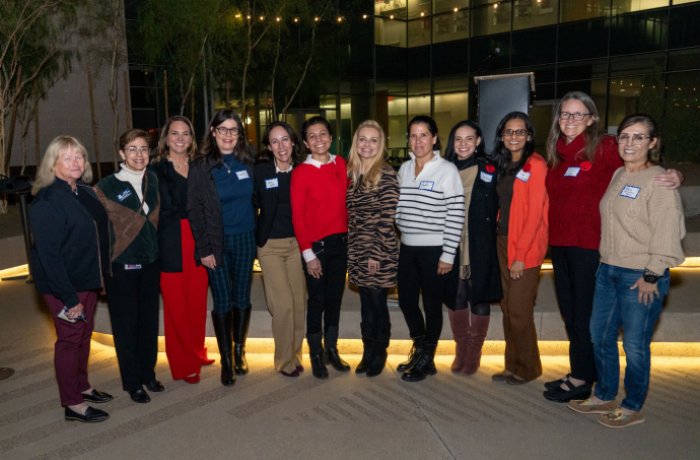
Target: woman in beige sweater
x=642 y=228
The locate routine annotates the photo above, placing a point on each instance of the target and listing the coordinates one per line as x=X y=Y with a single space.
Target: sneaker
x=588 y=406
x=617 y=418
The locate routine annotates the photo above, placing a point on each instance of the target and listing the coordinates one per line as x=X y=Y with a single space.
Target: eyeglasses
x=515 y=132
x=578 y=116
x=133 y=149
x=635 y=138
x=224 y=131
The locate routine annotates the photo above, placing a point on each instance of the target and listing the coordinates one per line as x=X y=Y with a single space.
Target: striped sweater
x=431 y=206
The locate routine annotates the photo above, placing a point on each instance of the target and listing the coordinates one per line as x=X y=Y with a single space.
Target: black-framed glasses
x=516 y=132
x=578 y=116
x=635 y=138
x=224 y=131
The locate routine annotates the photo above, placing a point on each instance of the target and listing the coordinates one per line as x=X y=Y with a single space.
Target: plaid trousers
x=230 y=280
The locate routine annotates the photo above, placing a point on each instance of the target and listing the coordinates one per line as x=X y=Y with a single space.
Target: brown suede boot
x=459 y=322
x=474 y=342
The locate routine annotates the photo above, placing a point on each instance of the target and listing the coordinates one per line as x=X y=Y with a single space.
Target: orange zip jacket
x=528 y=225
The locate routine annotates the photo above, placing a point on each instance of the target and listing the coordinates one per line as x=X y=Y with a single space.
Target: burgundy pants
x=72 y=348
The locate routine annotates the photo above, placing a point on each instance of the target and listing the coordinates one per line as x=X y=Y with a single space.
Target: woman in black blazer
x=278 y=251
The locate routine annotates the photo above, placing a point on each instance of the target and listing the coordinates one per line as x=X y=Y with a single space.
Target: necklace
x=183 y=165
x=223 y=162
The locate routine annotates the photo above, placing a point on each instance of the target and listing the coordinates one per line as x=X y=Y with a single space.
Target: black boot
x=378 y=356
x=241 y=321
x=318 y=368
x=366 y=350
x=424 y=365
x=222 y=328
x=412 y=355
x=331 y=350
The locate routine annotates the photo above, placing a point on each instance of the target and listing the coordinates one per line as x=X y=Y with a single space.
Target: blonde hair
x=373 y=174
x=45 y=175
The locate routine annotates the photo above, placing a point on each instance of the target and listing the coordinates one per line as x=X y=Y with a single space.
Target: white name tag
x=486 y=177
x=271 y=183
x=572 y=171
x=630 y=191
x=242 y=174
x=523 y=176
x=426 y=185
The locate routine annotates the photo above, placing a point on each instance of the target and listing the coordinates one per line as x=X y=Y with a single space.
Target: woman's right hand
x=75 y=312
x=209 y=261
x=314 y=268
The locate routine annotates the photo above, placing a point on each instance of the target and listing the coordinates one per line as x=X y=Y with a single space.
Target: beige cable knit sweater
x=642 y=223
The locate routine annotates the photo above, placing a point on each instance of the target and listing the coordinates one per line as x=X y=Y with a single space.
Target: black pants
x=418 y=276
x=326 y=293
x=574 y=279
x=374 y=311
x=133 y=311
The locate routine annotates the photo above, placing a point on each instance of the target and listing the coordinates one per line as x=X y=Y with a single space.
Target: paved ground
x=266 y=415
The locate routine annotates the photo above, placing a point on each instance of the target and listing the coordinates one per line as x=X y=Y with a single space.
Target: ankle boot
x=331 y=350
x=241 y=321
x=222 y=328
x=378 y=356
x=424 y=365
x=318 y=368
x=474 y=343
x=362 y=365
x=412 y=355
x=459 y=323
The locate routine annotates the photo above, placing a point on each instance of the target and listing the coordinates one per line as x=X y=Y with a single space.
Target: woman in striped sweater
x=430 y=216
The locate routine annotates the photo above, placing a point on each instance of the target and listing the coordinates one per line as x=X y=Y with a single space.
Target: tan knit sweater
x=642 y=223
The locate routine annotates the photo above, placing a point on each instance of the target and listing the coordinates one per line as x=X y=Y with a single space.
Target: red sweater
x=574 y=215
x=318 y=201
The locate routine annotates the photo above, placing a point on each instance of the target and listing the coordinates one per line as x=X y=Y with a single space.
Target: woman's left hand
x=372 y=266
x=670 y=179
x=647 y=291
x=443 y=268
x=517 y=269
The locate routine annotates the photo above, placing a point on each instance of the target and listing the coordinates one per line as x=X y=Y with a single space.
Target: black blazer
x=204 y=210
x=264 y=200
x=172 y=188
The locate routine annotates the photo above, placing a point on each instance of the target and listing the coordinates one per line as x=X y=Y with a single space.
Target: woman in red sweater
x=521 y=243
x=320 y=221
x=581 y=163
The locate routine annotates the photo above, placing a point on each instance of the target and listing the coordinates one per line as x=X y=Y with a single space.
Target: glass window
x=389 y=8
x=583 y=40
x=534 y=47
x=684 y=59
x=442 y=6
x=451 y=58
x=389 y=32
x=451 y=103
x=535 y=13
x=627 y=6
x=680 y=2
x=575 y=10
x=640 y=32
x=451 y=26
x=487 y=54
x=684 y=30
x=419 y=32
x=491 y=18
x=418 y=9
x=680 y=135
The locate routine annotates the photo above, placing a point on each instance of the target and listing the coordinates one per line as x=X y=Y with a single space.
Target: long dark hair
x=502 y=155
x=430 y=123
x=450 y=154
x=297 y=147
x=210 y=150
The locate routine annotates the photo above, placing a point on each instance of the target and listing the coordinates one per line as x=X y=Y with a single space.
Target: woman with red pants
x=183 y=284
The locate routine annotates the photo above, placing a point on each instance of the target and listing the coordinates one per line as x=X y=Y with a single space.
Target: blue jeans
x=615 y=306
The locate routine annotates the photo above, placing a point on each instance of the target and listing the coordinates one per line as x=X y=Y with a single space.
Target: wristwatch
x=650 y=276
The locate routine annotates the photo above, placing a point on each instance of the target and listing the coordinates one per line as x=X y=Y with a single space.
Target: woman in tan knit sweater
x=642 y=228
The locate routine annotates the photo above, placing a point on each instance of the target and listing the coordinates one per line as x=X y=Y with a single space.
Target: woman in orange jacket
x=522 y=242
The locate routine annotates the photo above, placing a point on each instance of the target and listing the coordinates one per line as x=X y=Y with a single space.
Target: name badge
x=132 y=266
x=486 y=177
x=426 y=185
x=572 y=171
x=124 y=195
x=271 y=183
x=242 y=174
x=630 y=191
x=523 y=176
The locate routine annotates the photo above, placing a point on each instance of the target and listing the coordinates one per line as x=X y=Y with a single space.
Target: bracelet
x=650 y=277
